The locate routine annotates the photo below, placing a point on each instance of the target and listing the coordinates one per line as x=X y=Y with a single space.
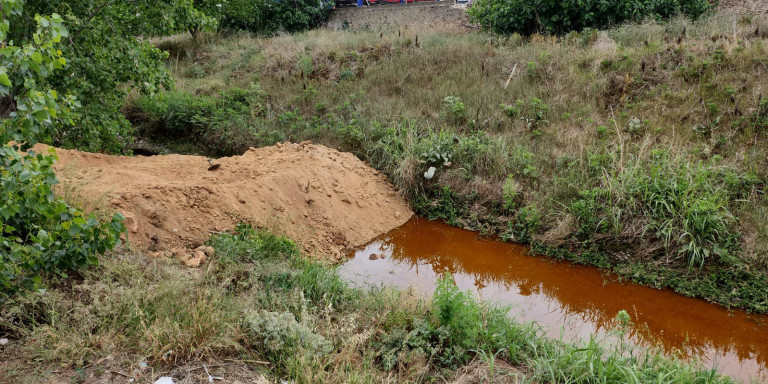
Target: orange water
x=567 y=300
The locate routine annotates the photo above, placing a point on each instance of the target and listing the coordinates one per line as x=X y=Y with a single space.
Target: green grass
x=649 y=137
x=257 y=301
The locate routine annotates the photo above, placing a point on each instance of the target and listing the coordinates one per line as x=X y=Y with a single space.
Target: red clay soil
x=324 y=199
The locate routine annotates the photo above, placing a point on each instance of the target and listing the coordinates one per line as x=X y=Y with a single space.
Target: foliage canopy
x=562 y=16
x=105 y=61
x=38 y=232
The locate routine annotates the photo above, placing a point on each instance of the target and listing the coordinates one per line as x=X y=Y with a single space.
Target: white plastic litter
x=164 y=380
x=430 y=173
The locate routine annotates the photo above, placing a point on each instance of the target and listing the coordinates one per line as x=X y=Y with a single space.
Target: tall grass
x=575 y=123
x=299 y=317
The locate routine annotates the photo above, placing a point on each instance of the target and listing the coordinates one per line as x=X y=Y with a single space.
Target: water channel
x=569 y=301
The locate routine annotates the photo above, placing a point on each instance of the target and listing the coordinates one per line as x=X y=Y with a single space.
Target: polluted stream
x=569 y=301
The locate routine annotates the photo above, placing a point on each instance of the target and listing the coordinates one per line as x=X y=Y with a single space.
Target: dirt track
x=325 y=199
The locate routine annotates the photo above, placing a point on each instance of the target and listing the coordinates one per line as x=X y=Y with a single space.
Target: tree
x=562 y=16
x=108 y=57
x=38 y=232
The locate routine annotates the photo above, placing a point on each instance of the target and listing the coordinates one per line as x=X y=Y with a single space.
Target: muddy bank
x=326 y=200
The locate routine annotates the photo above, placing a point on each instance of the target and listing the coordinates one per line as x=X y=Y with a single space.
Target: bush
x=40 y=233
x=224 y=125
x=561 y=16
x=459 y=326
x=268 y=16
x=526 y=224
x=278 y=336
x=587 y=212
x=458 y=312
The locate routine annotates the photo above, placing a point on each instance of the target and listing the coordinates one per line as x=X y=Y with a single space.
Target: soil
x=126 y=369
x=480 y=372
x=326 y=200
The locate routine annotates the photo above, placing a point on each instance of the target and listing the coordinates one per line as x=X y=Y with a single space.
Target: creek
x=569 y=301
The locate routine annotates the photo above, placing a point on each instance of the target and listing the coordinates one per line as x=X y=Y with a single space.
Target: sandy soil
x=326 y=200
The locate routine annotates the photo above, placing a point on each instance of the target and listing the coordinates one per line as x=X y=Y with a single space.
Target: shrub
x=458 y=312
x=40 y=233
x=561 y=16
x=278 y=336
x=525 y=225
x=586 y=210
x=268 y=16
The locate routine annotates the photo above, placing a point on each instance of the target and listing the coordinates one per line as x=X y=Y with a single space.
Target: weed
x=248 y=244
x=454 y=112
x=591 y=111
x=279 y=337
x=526 y=224
x=511 y=193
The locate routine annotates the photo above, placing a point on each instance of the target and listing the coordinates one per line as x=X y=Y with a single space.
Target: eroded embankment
x=324 y=199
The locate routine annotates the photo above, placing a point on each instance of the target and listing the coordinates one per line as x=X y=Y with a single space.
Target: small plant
x=533 y=112
x=623 y=318
x=712 y=107
x=511 y=111
x=526 y=224
x=454 y=111
x=522 y=162
x=635 y=127
x=436 y=149
x=489 y=359
x=511 y=193
x=706 y=129
x=278 y=336
x=458 y=312
x=586 y=210
x=536 y=111
x=347 y=74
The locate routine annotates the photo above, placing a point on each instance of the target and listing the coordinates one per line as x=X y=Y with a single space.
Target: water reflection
x=568 y=300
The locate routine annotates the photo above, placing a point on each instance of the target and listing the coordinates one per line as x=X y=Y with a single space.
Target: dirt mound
x=325 y=199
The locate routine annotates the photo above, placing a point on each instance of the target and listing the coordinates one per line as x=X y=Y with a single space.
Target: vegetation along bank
x=639 y=149
x=630 y=137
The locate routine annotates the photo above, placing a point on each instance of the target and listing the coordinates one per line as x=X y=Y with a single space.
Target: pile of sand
x=326 y=200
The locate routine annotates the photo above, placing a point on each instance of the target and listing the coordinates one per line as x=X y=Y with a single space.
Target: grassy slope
x=642 y=150
x=257 y=301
